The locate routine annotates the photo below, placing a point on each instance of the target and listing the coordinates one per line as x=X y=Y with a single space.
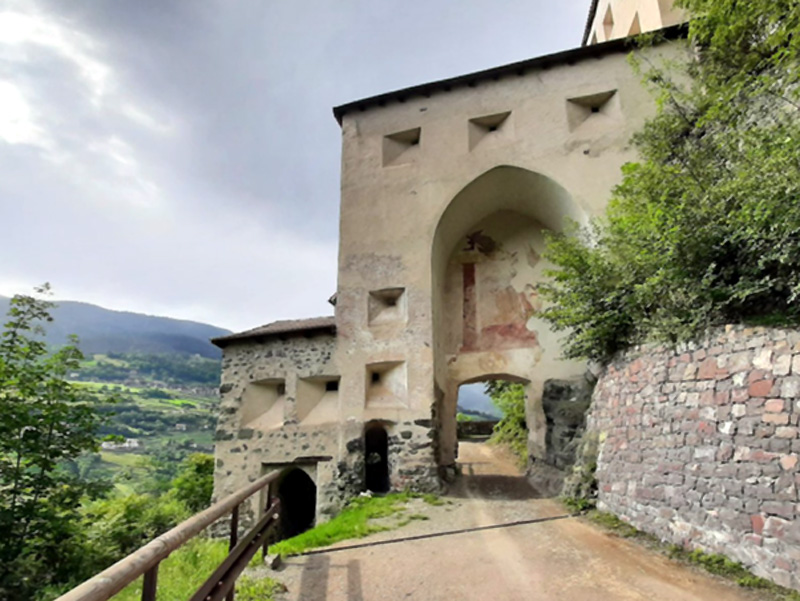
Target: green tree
x=45 y=422
x=705 y=228
x=195 y=482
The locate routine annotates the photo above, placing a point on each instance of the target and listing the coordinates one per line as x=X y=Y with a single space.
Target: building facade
x=448 y=190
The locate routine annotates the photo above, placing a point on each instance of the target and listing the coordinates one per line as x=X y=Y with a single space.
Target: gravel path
x=495 y=540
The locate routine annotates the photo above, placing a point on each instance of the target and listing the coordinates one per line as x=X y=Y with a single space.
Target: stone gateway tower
x=447 y=190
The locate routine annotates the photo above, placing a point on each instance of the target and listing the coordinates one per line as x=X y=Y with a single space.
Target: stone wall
x=564 y=404
x=247 y=447
x=700 y=446
x=270 y=417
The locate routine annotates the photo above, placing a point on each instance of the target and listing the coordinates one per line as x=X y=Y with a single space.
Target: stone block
x=760 y=388
x=779 y=419
x=782 y=510
x=763 y=359
x=790 y=387
x=789 y=432
x=774 y=405
x=782 y=364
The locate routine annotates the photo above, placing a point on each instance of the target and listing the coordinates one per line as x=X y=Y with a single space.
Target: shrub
x=511 y=431
x=118 y=526
x=705 y=228
x=195 y=481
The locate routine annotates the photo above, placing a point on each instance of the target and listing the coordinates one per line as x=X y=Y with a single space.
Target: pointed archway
x=487 y=259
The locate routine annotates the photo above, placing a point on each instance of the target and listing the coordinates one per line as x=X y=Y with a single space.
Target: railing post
x=150 y=583
x=233 y=540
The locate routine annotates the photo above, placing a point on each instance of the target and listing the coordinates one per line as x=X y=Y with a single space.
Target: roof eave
x=518 y=68
x=225 y=341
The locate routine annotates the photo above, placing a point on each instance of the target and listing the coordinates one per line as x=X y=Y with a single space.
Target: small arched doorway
x=298 y=495
x=376 y=458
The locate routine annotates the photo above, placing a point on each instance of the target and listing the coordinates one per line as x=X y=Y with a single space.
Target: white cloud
x=17 y=125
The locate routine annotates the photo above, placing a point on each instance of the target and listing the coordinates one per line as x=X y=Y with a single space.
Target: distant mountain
x=103 y=331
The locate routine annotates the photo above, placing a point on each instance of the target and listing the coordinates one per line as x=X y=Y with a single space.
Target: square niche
x=593 y=110
x=386 y=384
x=317 y=400
x=490 y=130
x=387 y=306
x=263 y=404
x=402 y=147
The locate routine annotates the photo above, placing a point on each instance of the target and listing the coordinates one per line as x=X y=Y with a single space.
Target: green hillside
x=162 y=408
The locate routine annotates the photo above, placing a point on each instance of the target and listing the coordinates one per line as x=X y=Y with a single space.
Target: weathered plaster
x=445 y=201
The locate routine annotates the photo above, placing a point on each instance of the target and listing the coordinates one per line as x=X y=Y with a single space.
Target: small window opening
x=376 y=377
x=331 y=385
x=595 y=109
x=281 y=389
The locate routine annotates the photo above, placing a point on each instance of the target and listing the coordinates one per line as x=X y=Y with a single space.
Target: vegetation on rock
x=705 y=228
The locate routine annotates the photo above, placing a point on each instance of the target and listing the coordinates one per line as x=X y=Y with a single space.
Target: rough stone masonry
x=699 y=446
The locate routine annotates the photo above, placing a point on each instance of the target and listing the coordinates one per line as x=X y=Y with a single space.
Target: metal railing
x=145 y=561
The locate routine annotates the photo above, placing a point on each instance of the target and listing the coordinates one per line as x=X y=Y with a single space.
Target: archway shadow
x=492 y=487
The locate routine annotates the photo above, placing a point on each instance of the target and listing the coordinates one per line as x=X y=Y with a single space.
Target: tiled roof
x=286 y=327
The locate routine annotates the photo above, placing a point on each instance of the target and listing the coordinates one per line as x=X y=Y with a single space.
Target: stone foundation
x=700 y=446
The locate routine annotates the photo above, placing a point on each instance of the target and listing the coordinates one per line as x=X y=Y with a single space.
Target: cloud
x=181 y=157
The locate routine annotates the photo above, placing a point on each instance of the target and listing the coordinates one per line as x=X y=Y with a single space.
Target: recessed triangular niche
x=608 y=23
x=583 y=108
x=386 y=385
x=264 y=404
x=386 y=306
x=317 y=400
x=401 y=147
x=636 y=26
x=488 y=126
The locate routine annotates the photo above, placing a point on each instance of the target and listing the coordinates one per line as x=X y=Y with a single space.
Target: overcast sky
x=180 y=157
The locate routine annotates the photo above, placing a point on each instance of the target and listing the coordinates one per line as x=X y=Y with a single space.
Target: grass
x=124 y=459
x=355 y=521
x=186 y=569
x=182 y=573
x=711 y=562
x=731 y=570
x=577 y=504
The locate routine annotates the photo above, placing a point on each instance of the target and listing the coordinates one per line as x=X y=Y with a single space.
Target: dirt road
x=495 y=541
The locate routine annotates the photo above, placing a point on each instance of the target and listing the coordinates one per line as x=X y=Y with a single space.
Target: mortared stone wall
x=699 y=445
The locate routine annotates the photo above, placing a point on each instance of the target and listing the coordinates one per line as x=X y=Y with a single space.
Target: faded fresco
x=491 y=279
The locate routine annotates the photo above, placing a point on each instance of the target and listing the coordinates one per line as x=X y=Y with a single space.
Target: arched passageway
x=376 y=458
x=486 y=262
x=298 y=495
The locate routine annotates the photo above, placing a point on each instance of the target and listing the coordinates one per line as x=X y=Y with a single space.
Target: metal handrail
x=145 y=560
